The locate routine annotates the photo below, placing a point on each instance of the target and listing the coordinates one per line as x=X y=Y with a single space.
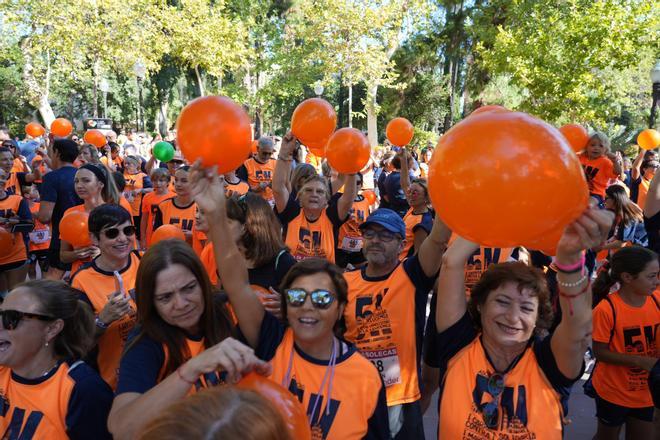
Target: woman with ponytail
x=624 y=326
x=47 y=391
x=95 y=186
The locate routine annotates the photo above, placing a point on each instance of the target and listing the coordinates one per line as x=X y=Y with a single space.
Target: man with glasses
x=108 y=283
x=385 y=314
x=258 y=170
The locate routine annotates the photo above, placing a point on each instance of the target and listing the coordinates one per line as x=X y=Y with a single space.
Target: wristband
x=178 y=372
x=571 y=297
x=100 y=324
x=572 y=268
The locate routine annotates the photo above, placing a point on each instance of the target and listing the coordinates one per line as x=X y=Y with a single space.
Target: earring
x=46 y=345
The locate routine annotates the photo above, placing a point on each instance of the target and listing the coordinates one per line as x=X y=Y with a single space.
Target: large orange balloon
x=61 y=127
x=288 y=406
x=35 y=129
x=348 y=150
x=502 y=179
x=6 y=239
x=95 y=137
x=317 y=148
x=313 y=121
x=215 y=129
x=649 y=139
x=576 y=135
x=167 y=232
x=74 y=229
x=370 y=196
x=489 y=108
x=399 y=131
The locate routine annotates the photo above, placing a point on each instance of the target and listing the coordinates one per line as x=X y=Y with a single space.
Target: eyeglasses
x=384 y=236
x=490 y=411
x=11 y=318
x=321 y=298
x=113 y=233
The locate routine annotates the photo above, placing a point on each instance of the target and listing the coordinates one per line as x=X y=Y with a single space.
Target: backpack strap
x=607 y=298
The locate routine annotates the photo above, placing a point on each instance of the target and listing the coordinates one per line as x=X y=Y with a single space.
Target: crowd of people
x=346 y=290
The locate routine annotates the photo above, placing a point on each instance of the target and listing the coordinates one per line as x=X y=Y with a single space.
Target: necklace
x=50 y=369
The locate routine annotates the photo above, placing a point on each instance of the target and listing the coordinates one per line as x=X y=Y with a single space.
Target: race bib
x=351 y=244
x=39 y=237
x=386 y=361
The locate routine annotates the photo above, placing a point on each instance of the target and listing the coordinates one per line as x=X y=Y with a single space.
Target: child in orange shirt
x=600 y=165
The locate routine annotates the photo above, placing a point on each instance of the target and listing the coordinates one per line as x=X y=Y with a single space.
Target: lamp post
x=318 y=89
x=140 y=71
x=655 y=78
x=104 y=86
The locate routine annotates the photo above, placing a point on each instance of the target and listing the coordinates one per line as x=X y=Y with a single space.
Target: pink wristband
x=572 y=268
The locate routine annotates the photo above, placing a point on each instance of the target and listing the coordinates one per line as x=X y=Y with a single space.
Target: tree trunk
x=350 y=105
x=95 y=87
x=372 y=113
x=200 y=82
x=37 y=95
x=163 y=122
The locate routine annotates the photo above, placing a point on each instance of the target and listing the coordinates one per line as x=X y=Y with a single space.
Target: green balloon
x=163 y=151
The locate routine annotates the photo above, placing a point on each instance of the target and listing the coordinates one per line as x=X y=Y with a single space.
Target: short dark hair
x=114 y=146
x=66 y=149
x=525 y=277
x=630 y=259
x=107 y=214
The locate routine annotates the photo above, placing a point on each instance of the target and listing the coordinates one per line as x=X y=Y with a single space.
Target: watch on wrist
x=100 y=324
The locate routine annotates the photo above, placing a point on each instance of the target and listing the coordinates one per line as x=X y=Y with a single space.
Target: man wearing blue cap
x=386 y=307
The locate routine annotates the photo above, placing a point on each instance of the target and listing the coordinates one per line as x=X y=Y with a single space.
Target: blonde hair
x=223 y=412
x=602 y=137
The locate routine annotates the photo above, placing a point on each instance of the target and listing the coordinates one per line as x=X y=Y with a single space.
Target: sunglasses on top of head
x=112 y=233
x=11 y=318
x=321 y=298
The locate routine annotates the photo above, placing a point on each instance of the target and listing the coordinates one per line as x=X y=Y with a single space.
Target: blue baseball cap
x=388 y=219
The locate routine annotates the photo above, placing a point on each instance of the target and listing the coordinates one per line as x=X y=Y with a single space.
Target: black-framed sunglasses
x=490 y=411
x=11 y=318
x=321 y=298
x=112 y=233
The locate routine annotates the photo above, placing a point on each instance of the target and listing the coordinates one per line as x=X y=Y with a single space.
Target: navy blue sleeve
x=271 y=334
x=378 y=426
x=24 y=211
x=89 y=405
x=423 y=284
x=140 y=366
x=290 y=212
x=285 y=262
x=21 y=179
x=426 y=223
x=546 y=360
x=158 y=218
x=332 y=211
x=441 y=347
x=48 y=189
x=242 y=173
x=146 y=182
x=393 y=188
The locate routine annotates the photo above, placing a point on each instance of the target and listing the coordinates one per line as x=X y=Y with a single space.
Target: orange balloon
x=317 y=148
x=489 y=108
x=649 y=139
x=61 y=127
x=313 y=121
x=288 y=406
x=576 y=135
x=348 y=150
x=502 y=179
x=74 y=229
x=95 y=137
x=35 y=129
x=6 y=239
x=370 y=196
x=167 y=232
x=399 y=131
x=253 y=146
x=215 y=129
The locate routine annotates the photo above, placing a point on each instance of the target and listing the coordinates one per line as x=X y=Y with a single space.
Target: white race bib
x=351 y=244
x=39 y=237
x=386 y=362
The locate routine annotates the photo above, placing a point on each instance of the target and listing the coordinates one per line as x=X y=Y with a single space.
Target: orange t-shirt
x=239 y=188
x=10 y=207
x=207 y=257
x=168 y=213
x=98 y=285
x=598 y=172
x=350 y=236
x=412 y=222
x=258 y=173
x=40 y=236
x=198 y=241
x=18 y=166
x=632 y=331
x=134 y=182
x=150 y=203
x=642 y=192
x=311 y=239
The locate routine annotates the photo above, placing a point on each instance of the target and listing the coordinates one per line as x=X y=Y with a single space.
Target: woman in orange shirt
x=419 y=218
x=95 y=186
x=14 y=212
x=625 y=325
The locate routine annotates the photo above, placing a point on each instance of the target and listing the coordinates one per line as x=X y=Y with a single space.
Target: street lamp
x=655 y=78
x=104 y=86
x=318 y=89
x=140 y=71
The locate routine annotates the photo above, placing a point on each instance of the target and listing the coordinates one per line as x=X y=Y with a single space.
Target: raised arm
x=282 y=172
x=636 y=169
x=433 y=247
x=209 y=193
x=345 y=202
x=404 y=156
x=617 y=161
x=573 y=333
x=452 y=304
x=652 y=205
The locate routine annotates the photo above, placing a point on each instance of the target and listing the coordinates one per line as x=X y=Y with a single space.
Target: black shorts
x=54 y=260
x=611 y=414
x=12 y=266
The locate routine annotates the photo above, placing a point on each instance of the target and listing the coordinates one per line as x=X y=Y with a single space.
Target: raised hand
x=207 y=188
x=590 y=230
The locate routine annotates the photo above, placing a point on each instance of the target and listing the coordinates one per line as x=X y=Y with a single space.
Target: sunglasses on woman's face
x=112 y=233
x=11 y=318
x=321 y=298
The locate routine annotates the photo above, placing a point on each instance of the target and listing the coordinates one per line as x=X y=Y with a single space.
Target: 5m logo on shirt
x=16 y=429
x=322 y=418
